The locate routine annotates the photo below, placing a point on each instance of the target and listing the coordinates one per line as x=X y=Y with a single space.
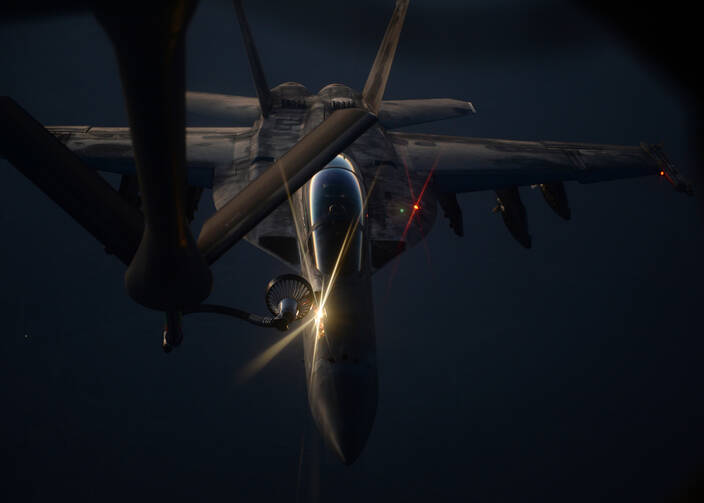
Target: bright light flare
x=321 y=314
x=408 y=175
x=258 y=363
x=416 y=207
x=346 y=243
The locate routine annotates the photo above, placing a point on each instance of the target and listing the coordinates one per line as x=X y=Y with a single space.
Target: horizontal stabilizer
x=238 y=110
x=400 y=113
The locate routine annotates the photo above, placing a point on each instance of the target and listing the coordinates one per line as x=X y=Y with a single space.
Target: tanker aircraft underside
x=320 y=181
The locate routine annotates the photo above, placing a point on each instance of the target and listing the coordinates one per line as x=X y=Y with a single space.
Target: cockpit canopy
x=336 y=209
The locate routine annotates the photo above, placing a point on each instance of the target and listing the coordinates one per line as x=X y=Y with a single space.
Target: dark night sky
x=569 y=372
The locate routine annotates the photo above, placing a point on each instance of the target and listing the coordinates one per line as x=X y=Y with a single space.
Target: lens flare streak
x=340 y=257
x=414 y=209
x=347 y=241
x=258 y=363
x=270 y=353
x=408 y=176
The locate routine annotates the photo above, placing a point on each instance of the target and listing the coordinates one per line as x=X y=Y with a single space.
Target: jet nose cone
x=347 y=440
x=344 y=406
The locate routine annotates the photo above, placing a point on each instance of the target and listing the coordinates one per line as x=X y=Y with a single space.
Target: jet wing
x=216 y=158
x=110 y=149
x=473 y=164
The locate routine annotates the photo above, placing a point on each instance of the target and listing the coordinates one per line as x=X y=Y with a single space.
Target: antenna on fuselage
x=379 y=74
x=255 y=65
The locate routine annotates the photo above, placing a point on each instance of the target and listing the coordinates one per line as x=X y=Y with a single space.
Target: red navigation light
x=416 y=207
x=662 y=173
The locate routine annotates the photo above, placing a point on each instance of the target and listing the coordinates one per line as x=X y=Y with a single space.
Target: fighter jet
x=366 y=196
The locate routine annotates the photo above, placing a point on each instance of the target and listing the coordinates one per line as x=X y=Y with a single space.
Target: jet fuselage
x=334 y=256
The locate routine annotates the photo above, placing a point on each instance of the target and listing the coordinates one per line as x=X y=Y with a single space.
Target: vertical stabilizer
x=376 y=82
x=255 y=64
